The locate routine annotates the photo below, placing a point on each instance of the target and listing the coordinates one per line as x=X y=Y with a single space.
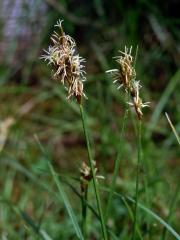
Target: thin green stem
x=116 y=168
x=147 y=195
x=96 y=189
x=132 y=216
x=84 y=213
x=137 y=181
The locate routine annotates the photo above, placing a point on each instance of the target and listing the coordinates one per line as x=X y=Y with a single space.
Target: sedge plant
x=68 y=69
x=125 y=77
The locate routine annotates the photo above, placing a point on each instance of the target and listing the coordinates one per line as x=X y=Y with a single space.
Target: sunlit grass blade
x=173 y=128
x=44 y=235
x=66 y=203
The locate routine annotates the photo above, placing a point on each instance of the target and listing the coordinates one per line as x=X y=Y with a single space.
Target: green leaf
x=66 y=203
x=150 y=212
x=35 y=227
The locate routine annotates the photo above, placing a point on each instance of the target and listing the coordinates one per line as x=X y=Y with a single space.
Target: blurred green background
x=34 y=106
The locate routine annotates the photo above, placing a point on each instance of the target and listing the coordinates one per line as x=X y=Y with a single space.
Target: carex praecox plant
x=68 y=68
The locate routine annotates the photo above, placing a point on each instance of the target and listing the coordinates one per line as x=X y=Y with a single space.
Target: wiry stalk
x=137 y=181
x=96 y=189
x=84 y=213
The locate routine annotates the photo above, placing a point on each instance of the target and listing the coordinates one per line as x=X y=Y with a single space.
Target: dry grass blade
x=4 y=130
x=173 y=128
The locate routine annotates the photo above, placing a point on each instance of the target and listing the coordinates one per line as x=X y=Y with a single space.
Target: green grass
x=24 y=168
x=43 y=201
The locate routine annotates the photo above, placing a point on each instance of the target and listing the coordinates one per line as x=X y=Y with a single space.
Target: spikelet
x=125 y=76
x=67 y=65
x=86 y=175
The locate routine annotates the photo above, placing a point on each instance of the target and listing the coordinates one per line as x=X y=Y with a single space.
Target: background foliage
x=33 y=106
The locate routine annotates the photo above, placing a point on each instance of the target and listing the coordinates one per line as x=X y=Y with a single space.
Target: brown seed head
x=86 y=175
x=126 y=70
x=125 y=75
x=67 y=65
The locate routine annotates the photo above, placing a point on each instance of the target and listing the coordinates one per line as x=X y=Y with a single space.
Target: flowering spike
x=67 y=66
x=86 y=175
x=125 y=76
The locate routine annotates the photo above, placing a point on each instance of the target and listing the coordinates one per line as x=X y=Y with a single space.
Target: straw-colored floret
x=67 y=65
x=125 y=76
x=86 y=175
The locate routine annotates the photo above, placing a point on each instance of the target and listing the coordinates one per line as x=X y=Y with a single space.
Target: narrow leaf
x=150 y=212
x=66 y=203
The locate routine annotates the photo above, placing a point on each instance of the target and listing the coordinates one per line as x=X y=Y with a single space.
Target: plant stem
x=116 y=168
x=104 y=232
x=84 y=213
x=131 y=216
x=137 y=181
